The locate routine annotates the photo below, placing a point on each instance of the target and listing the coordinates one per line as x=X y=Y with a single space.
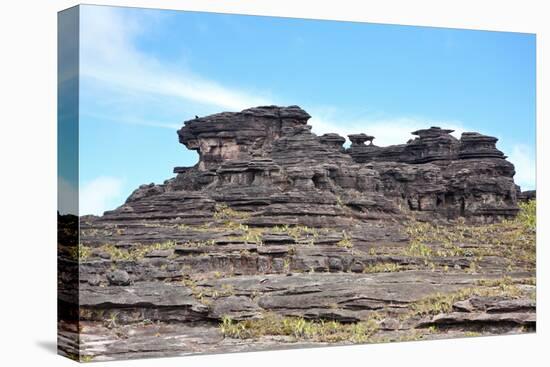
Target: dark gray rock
x=236 y=307
x=202 y=246
x=526 y=196
x=266 y=161
x=118 y=277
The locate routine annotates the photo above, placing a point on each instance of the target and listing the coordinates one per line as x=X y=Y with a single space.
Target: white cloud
x=112 y=63
x=524 y=161
x=109 y=55
x=99 y=195
x=133 y=120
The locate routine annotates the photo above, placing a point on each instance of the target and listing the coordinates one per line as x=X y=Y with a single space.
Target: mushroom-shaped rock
x=476 y=145
x=433 y=144
x=432 y=132
x=360 y=139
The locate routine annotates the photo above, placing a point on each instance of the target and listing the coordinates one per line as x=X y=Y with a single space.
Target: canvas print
x=233 y=183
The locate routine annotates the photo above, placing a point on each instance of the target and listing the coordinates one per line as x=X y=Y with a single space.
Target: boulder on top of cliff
x=433 y=144
x=432 y=132
x=476 y=145
x=360 y=139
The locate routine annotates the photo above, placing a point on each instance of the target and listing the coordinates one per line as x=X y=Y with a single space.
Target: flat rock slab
x=520 y=318
x=145 y=294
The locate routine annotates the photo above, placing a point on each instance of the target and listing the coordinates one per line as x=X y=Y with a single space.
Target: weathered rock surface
x=265 y=160
x=274 y=219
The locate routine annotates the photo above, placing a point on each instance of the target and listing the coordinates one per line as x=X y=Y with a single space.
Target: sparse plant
x=417 y=248
x=382 y=268
x=512 y=239
x=224 y=212
x=345 y=242
x=112 y=320
x=527 y=215
x=80 y=252
x=442 y=303
x=300 y=234
x=299 y=328
x=85 y=358
x=472 y=334
x=286 y=265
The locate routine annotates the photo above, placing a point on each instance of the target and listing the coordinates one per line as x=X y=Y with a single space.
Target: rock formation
x=266 y=161
x=277 y=223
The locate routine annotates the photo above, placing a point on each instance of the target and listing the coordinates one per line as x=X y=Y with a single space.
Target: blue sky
x=143 y=72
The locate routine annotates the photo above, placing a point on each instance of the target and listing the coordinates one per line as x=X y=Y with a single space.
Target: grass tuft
x=299 y=328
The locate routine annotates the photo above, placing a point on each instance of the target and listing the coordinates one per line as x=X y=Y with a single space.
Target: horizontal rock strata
x=276 y=223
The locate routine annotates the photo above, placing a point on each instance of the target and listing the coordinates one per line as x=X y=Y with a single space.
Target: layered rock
x=266 y=161
x=276 y=222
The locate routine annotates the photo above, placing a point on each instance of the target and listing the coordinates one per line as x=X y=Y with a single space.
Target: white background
x=28 y=182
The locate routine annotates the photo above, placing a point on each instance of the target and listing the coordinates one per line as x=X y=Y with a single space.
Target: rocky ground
x=225 y=286
x=279 y=238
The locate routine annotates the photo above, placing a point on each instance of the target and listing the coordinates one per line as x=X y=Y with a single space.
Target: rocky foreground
x=279 y=238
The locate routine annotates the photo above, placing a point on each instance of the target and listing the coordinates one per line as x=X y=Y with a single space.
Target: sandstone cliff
x=266 y=161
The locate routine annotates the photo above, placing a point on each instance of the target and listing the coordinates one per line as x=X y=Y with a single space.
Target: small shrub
x=224 y=212
x=80 y=252
x=345 y=242
x=418 y=249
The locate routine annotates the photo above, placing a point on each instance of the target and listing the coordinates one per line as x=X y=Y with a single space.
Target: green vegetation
x=512 y=239
x=527 y=216
x=80 y=252
x=345 y=241
x=418 y=249
x=250 y=235
x=298 y=233
x=300 y=328
x=86 y=358
x=111 y=322
x=383 y=268
x=443 y=303
x=286 y=265
x=225 y=213
x=136 y=252
x=472 y=334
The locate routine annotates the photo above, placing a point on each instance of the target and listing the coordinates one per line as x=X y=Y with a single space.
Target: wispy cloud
x=130 y=85
x=134 y=120
x=109 y=55
x=99 y=195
